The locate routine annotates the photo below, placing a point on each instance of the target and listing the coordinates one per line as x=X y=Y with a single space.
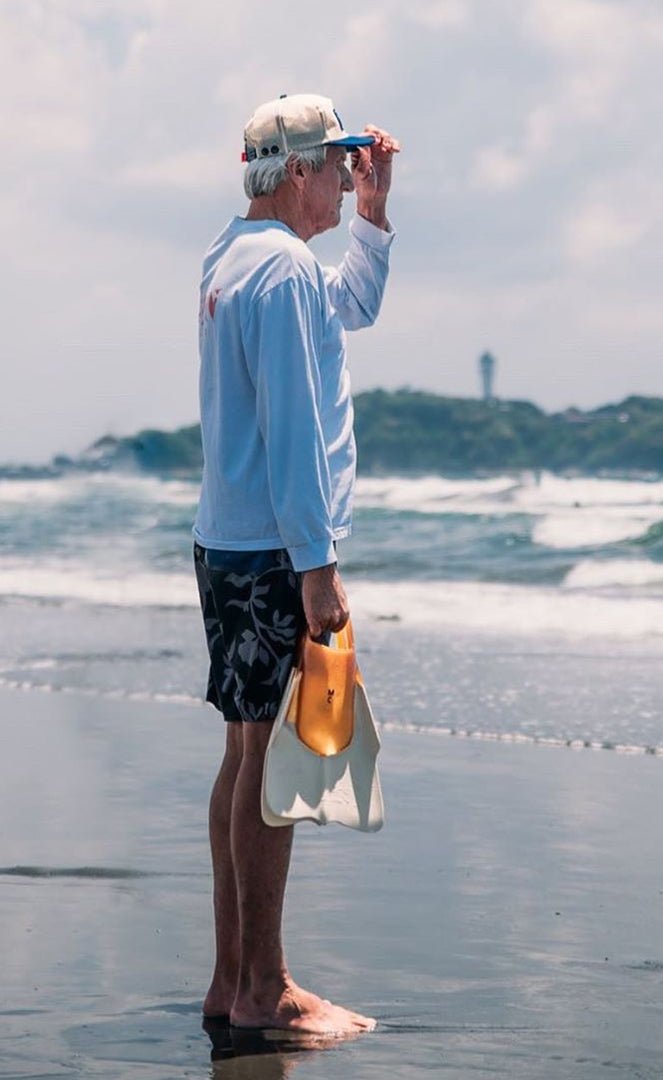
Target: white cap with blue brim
x=296 y=122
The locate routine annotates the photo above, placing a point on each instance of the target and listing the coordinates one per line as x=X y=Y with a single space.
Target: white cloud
x=438 y=14
x=191 y=171
x=44 y=78
x=599 y=230
x=598 y=55
x=495 y=169
x=362 y=52
x=598 y=44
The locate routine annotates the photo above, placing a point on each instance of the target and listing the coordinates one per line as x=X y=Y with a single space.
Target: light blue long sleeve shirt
x=276 y=411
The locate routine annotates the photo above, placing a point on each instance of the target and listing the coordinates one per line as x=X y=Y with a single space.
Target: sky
x=528 y=197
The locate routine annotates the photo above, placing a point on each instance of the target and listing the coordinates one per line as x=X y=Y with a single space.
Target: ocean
x=507 y=920
x=525 y=607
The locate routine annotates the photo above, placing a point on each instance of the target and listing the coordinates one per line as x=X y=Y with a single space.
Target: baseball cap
x=296 y=122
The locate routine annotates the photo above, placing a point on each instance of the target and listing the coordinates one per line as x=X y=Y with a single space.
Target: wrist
x=375 y=212
x=321 y=571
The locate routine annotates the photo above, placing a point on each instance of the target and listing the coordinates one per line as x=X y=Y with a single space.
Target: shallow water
x=507 y=920
x=596 y=691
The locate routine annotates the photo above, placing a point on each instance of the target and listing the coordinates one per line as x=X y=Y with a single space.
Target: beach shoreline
x=508 y=919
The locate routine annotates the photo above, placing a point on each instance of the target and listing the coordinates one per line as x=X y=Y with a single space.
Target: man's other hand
x=325 y=603
x=371 y=174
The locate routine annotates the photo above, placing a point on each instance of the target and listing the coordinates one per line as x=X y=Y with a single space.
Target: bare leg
x=266 y=994
x=221 y=993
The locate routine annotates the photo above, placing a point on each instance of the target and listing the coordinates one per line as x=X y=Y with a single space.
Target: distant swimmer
x=277 y=490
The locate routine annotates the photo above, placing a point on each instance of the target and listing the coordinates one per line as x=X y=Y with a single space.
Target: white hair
x=263 y=175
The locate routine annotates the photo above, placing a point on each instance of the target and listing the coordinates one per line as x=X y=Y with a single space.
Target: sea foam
x=626 y=573
x=56 y=582
x=447 y=605
x=591 y=528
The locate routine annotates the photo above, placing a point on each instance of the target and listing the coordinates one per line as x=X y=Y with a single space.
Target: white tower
x=487 y=365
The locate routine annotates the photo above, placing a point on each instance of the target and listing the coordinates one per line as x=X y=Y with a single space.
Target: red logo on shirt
x=212 y=298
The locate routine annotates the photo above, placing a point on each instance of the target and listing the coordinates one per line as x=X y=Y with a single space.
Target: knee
x=256 y=738
x=234 y=744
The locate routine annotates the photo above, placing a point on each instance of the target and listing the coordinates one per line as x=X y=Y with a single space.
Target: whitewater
x=461 y=590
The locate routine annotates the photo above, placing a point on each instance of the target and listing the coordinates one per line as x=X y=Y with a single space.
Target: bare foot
x=299 y=1010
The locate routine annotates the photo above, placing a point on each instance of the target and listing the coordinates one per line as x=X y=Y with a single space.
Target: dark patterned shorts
x=253 y=615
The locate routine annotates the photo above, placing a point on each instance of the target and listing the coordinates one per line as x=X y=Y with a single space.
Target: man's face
x=324 y=191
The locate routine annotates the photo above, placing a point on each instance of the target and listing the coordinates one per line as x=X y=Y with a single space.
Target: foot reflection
x=244 y=1054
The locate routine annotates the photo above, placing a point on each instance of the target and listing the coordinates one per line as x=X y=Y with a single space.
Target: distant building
x=487 y=365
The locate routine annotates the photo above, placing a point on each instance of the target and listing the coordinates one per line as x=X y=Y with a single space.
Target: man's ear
x=297 y=171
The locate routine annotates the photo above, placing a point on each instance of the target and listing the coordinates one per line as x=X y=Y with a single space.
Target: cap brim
x=353 y=140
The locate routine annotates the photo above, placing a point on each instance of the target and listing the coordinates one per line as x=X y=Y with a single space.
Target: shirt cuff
x=312 y=556
x=369 y=234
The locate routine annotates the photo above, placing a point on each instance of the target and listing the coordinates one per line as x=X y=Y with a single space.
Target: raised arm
x=371 y=174
x=356 y=287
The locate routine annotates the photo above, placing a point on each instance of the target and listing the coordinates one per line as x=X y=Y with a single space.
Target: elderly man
x=276 y=418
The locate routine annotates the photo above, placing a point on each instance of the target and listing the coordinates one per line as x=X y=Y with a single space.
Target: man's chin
x=333 y=220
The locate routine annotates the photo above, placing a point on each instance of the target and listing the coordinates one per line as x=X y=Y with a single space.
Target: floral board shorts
x=254 y=619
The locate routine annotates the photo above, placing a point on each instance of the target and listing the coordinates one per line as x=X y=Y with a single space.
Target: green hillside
x=414 y=431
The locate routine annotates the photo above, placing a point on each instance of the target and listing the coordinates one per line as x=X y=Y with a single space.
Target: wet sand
x=508 y=921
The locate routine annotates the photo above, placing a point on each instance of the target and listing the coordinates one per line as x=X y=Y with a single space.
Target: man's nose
x=347 y=181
